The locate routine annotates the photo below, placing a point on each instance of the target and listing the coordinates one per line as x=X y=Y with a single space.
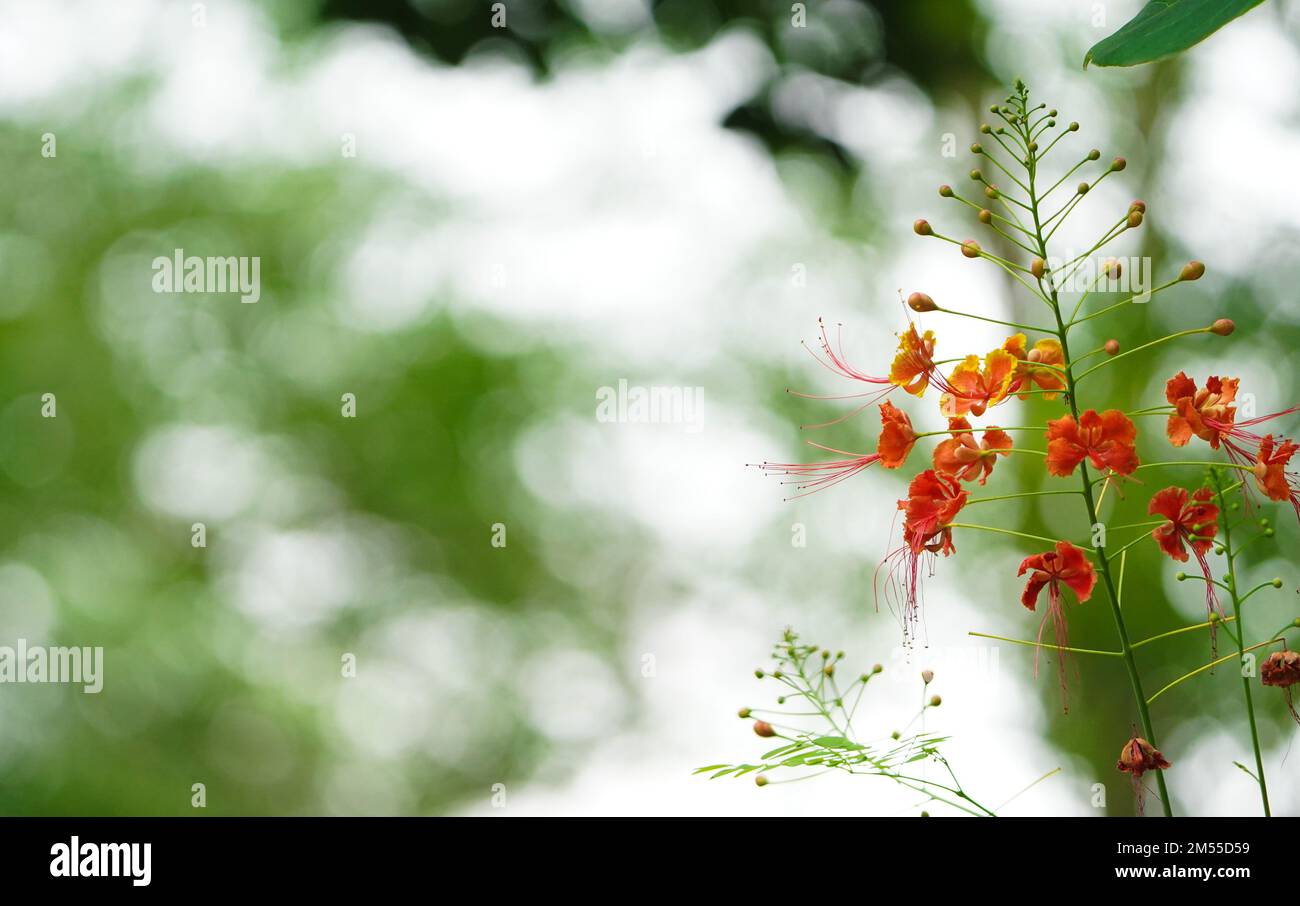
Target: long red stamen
x=818 y=476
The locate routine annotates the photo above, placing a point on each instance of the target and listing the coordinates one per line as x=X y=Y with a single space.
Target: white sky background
x=623 y=216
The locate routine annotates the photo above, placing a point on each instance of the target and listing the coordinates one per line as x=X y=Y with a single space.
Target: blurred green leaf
x=1165 y=27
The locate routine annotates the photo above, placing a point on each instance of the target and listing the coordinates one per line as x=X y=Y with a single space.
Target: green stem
x=1237 y=602
x=1182 y=629
x=1121 y=629
x=1000 y=638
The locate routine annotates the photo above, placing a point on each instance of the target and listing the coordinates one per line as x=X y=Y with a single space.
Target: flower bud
x=1052 y=112
x=743 y=713
x=935 y=701
x=970 y=248
x=760 y=780
x=984 y=129
x=876 y=668
x=976 y=175
x=1134 y=219
x=1223 y=327
x=927 y=676
x=993 y=108
x=1038 y=267
x=991 y=192
x=829 y=670
x=1073 y=127
x=1112 y=347
x=1192 y=270
x=922 y=227
x=1094 y=154
x=758 y=673
x=1033 y=146
x=1118 y=164
x=920 y=302
x=985 y=216
x=1083 y=188
x=1112 y=268
x=1276 y=583
x=1138 y=205
x=976 y=148
x=945 y=191
x=763 y=729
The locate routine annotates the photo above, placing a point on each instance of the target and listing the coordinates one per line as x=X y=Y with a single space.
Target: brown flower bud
x=985 y=216
x=920 y=302
x=763 y=729
x=1118 y=164
x=1223 y=327
x=1135 y=219
x=1112 y=268
x=1281 y=669
x=1112 y=347
x=1038 y=267
x=927 y=676
x=970 y=248
x=1192 y=270
x=991 y=192
x=1138 y=756
x=935 y=701
x=1138 y=205
x=922 y=227
x=946 y=191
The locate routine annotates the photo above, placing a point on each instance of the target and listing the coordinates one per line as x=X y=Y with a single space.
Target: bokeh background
x=665 y=193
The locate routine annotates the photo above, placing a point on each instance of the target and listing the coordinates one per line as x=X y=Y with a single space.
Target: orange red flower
x=1106 y=439
x=1271 y=476
x=1066 y=565
x=1282 y=669
x=1207 y=413
x=1030 y=367
x=972 y=388
x=933 y=501
x=896 y=440
x=1193 y=522
x=914 y=362
x=896 y=436
x=1192 y=519
x=965 y=459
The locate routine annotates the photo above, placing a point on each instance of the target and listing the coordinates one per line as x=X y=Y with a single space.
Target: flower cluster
x=1097 y=448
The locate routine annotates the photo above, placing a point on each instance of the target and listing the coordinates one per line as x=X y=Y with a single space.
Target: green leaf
x=1165 y=27
x=708 y=767
x=782 y=750
x=835 y=742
